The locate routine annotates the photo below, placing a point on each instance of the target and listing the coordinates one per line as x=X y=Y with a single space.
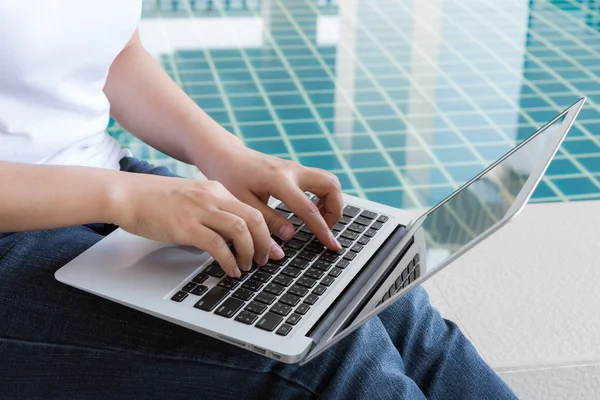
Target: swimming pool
x=403 y=99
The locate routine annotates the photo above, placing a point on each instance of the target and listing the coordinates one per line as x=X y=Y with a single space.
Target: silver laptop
x=294 y=309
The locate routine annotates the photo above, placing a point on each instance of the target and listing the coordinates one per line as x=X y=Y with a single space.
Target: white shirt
x=54 y=61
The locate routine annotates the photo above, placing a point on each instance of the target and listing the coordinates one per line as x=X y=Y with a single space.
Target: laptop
x=294 y=309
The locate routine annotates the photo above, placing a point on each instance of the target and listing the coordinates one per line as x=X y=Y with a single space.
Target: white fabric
x=54 y=60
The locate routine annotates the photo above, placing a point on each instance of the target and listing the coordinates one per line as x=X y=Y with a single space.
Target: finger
x=210 y=241
x=234 y=227
x=263 y=244
x=276 y=222
x=304 y=208
x=328 y=189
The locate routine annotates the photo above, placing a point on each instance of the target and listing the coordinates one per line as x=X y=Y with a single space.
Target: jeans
x=60 y=342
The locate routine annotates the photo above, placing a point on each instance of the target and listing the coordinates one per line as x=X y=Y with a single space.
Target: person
x=65 y=66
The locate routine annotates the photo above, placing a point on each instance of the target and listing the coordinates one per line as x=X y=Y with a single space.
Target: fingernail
x=285 y=232
x=237 y=273
x=335 y=241
x=276 y=252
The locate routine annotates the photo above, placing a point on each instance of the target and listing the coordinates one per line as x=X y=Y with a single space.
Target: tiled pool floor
x=403 y=99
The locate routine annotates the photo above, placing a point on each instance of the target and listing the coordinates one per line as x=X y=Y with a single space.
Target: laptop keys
x=291 y=272
x=302 y=309
x=210 y=300
x=281 y=309
x=293 y=319
x=256 y=308
x=298 y=290
x=311 y=299
x=303 y=236
x=382 y=219
x=200 y=278
x=274 y=289
x=228 y=283
x=299 y=263
x=189 y=287
x=269 y=322
x=290 y=299
x=328 y=280
x=214 y=270
x=265 y=298
x=350 y=211
x=319 y=290
x=283 y=280
x=284 y=330
x=246 y=317
x=370 y=233
x=229 y=307
x=363 y=240
x=243 y=294
x=261 y=276
x=199 y=290
x=179 y=296
x=368 y=214
x=270 y=269
x=306 y=282
x=252 y=285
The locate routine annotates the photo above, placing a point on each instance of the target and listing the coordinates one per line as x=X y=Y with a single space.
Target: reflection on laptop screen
x=487 y=200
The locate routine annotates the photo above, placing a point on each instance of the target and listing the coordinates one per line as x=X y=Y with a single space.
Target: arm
x=42 y=197
x=147 y=103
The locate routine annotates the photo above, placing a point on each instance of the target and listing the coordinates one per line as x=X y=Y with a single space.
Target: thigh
x=57 y=341
x=436 y=355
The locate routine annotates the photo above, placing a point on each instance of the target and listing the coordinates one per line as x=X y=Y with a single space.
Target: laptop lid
x=458 y=223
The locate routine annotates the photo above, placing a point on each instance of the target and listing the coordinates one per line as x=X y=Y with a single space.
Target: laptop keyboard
x=410 y=274
x=276 y=296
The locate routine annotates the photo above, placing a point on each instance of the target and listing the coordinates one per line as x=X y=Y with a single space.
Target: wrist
x=216 y=151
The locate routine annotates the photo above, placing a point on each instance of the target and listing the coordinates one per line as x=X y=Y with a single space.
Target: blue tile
x=286 y=99
x=275 y=146
x=201 y=90
x=392 y=140
x=210 y=102
x=322 y=97
x=230 y=64
x=274 y=86
x=445 y=138
x=325 y=111
x=433 y=195
x=482 y=135
x=454 y=155
x=491 y=153
x=365 y=96
x=221 y=117
x=588 y=114
x=246 y=101
x=259 y=130
x=386 y=124
x=318 y=85
x=562 y=167
x=313 y=73
x=355 y=142
x=302 y=128
x=552 y=87
x=464 y=173
x=258 y=115
x=196 y=76
x=226 y=53
x=240 y=87
x=375 y=110
x=294 y=113
x=311 y=145
x=394 y=198
x=270 y=74
x=365 y=160
x=543 y=117
x=266 y=63
x=576 y=186
x=430 y=175
x=377 y=179
x=410 y=157
x=326 y=161
x=235 y=76
x=592 y=164
x=468 y=120
x=345 y=181
x=585 y=146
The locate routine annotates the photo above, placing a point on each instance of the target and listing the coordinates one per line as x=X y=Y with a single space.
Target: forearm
x=37 y=197
x=147 y=103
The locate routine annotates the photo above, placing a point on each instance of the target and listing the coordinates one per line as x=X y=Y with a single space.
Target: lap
x=69 y=342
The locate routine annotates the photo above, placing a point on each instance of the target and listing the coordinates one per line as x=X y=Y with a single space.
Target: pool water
x=404 y=100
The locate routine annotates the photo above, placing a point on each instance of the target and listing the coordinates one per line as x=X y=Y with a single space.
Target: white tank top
x=54 y=60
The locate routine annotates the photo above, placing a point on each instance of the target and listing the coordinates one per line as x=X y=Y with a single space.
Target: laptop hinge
x=352 y=291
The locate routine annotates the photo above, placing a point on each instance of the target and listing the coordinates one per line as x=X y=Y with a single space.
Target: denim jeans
x=60 y=342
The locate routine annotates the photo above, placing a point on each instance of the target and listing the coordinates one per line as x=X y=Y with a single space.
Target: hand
x=196 y=213
x=253 y=177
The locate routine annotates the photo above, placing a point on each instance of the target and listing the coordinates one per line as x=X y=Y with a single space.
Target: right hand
x=197 y=213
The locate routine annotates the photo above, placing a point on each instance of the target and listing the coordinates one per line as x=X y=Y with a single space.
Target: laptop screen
x=484 y=202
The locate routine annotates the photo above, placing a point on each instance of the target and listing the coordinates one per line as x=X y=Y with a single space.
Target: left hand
x=253 y=177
